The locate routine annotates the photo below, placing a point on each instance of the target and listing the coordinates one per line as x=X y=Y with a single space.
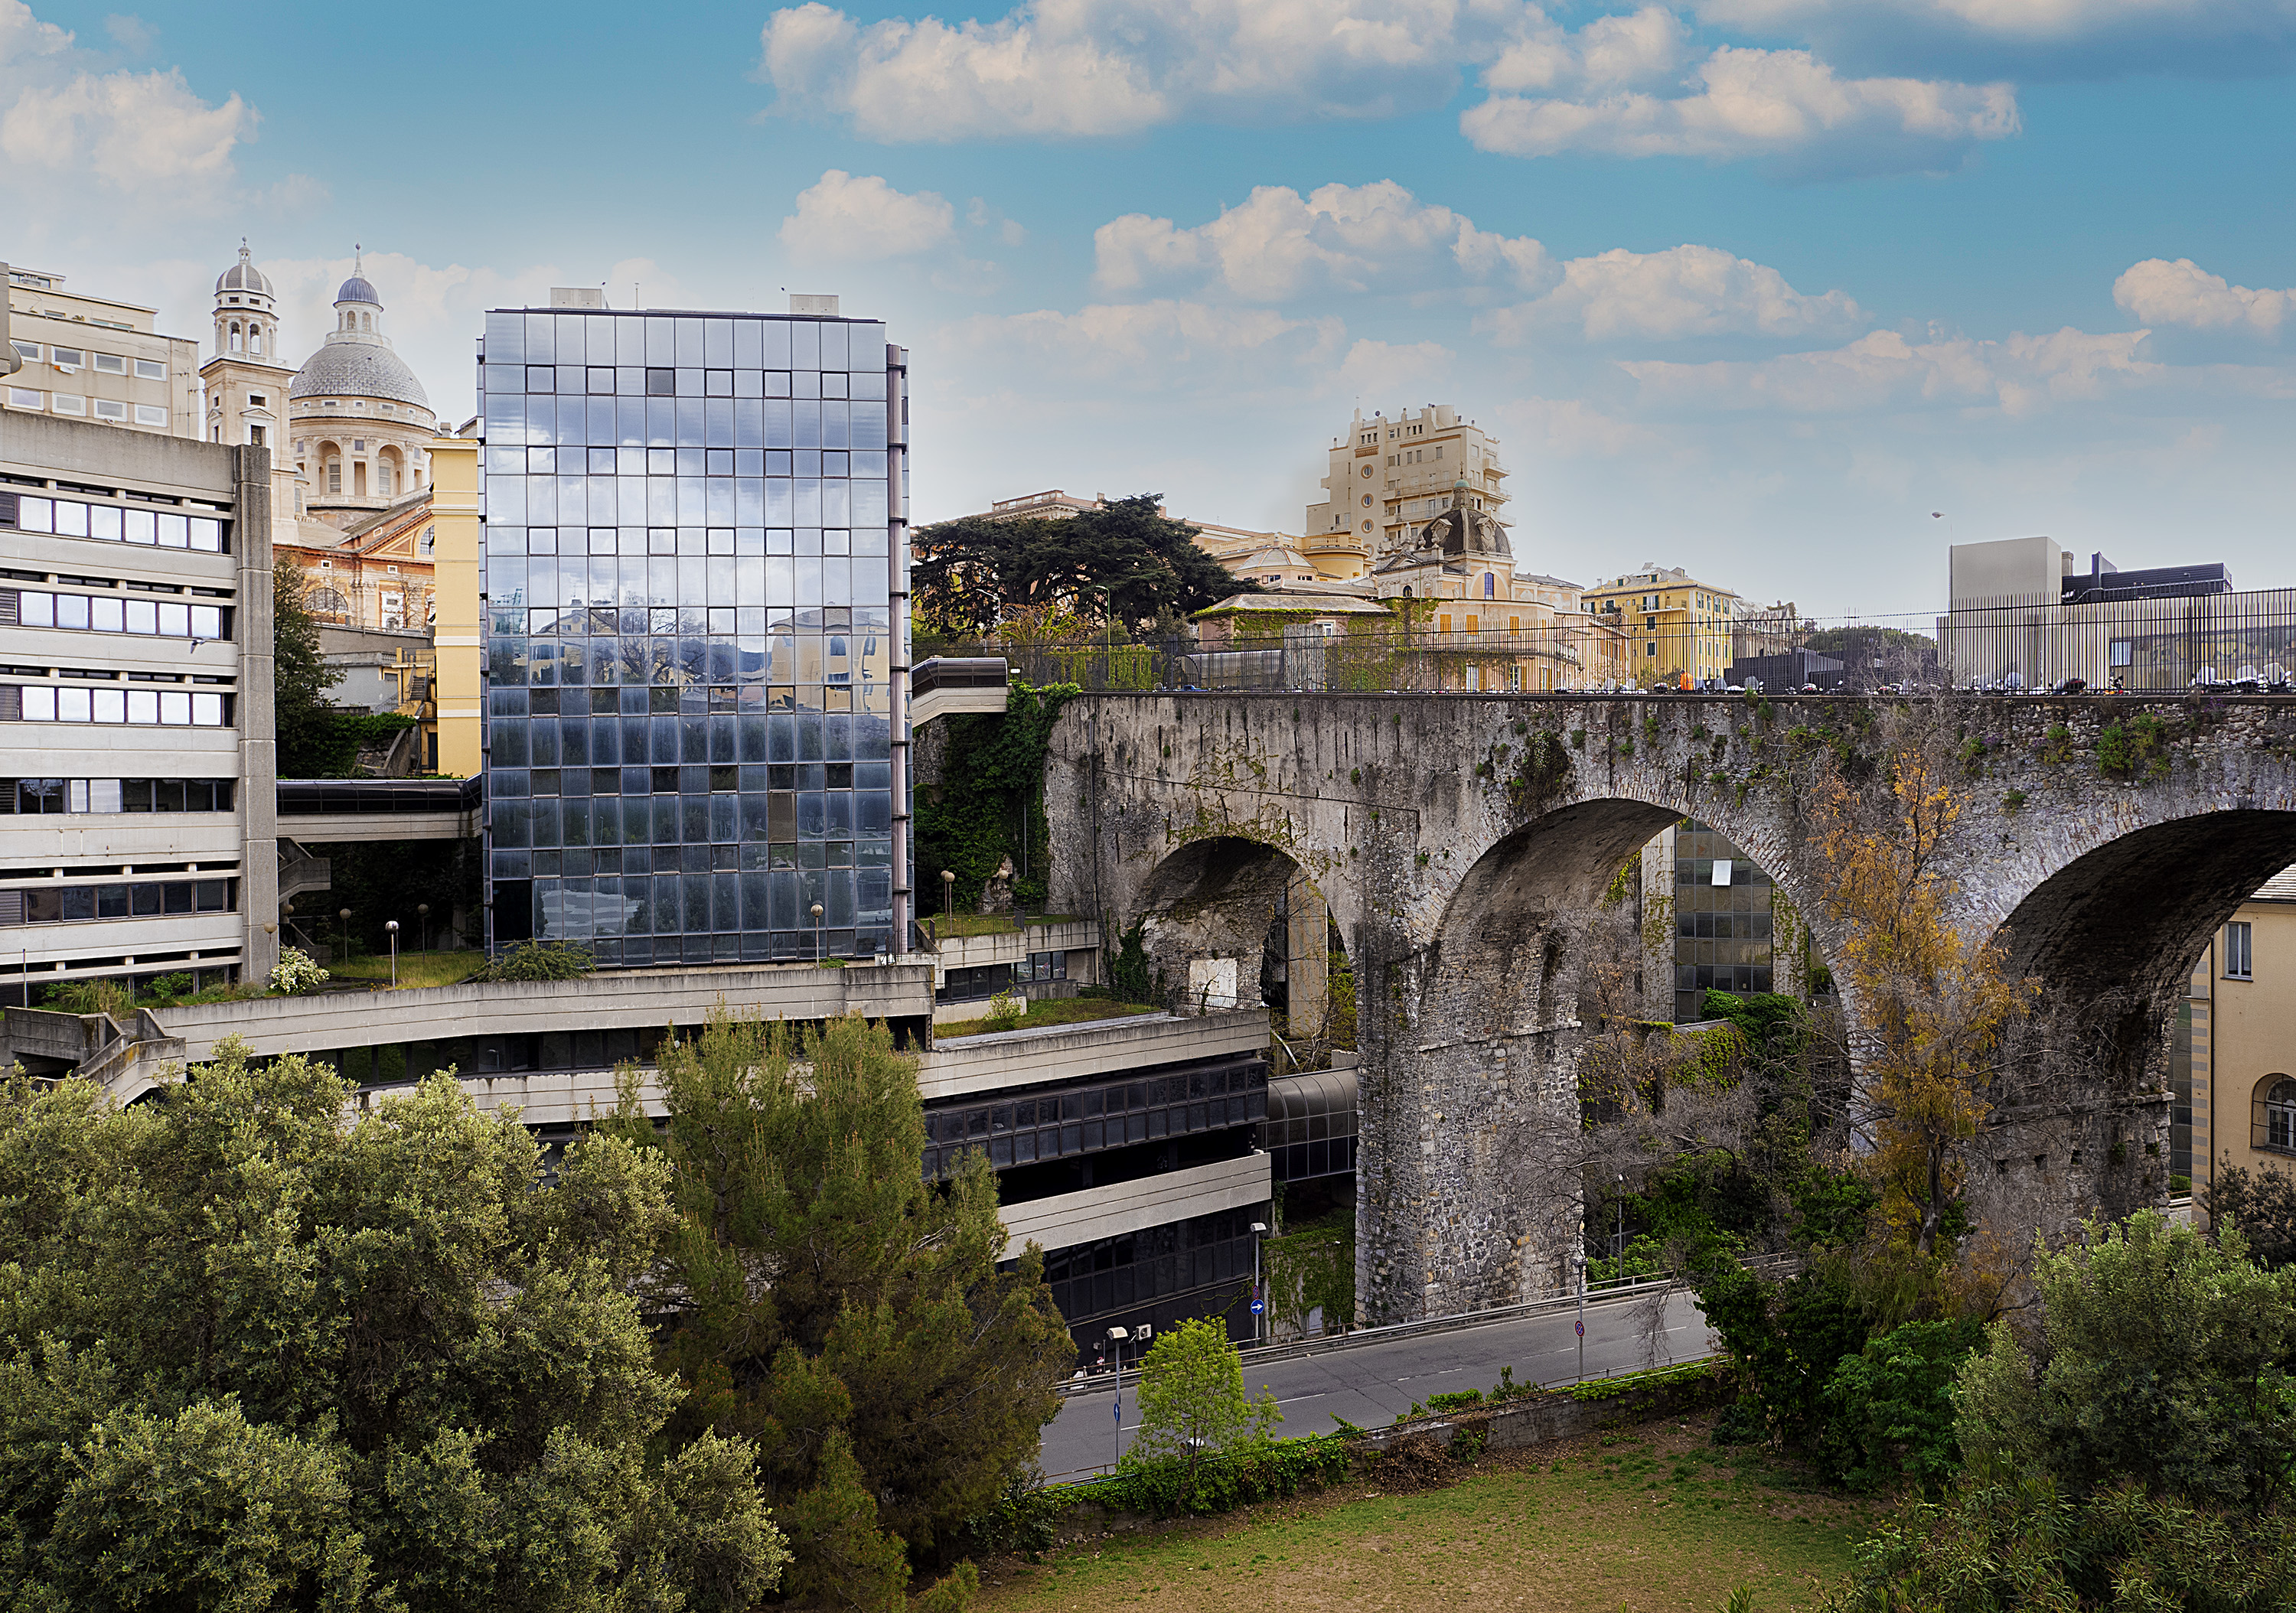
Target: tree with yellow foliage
x=1927 y=1007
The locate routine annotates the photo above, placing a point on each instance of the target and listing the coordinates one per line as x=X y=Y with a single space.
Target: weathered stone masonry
x=1448 y=832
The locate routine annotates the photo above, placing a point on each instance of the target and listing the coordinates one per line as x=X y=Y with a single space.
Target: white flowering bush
x=297 y=973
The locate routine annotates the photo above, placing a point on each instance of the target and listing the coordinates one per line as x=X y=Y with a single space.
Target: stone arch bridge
x=1448 y=834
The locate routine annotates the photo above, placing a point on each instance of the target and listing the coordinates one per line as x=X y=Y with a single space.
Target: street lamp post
x=422 y=926
x=1580 y=1255
x=947 y=894
x=817 y=932
x=1618 y=1245
x=391 y=929
x=345 y=915
x=1116 y=1337
x=1259 y=1299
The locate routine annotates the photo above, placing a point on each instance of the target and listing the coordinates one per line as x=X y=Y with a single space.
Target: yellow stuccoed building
x=2235 y=1062
x=1674 y=624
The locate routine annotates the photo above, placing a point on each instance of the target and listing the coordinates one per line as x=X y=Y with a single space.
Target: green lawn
x=948 y=927
x=1660 y=1520
x=1053 y=1010
x=415 y=967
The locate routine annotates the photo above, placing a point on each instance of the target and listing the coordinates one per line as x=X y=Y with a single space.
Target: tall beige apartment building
x=1389 y=477
x=89 y=358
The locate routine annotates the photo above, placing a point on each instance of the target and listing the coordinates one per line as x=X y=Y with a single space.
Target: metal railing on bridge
x=1412 y=659
x=2215 y=642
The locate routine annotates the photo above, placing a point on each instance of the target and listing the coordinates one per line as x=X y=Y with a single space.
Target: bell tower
x=247 y=379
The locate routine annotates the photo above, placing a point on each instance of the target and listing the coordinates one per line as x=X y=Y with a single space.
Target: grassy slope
x=415 y=967
x=951 y=926
x=1660 y=1520
x=1053 y=1010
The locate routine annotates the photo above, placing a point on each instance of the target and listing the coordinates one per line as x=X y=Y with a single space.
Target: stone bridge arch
x=1445 y=830
x=1218 y=911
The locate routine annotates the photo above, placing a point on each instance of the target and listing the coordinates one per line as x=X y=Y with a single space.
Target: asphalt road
x=1369 y=1385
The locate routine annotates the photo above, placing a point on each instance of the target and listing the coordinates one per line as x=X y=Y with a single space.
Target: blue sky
x=1750 y=286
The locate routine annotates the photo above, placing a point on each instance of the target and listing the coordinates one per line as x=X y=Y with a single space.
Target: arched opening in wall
x=329 y=605
x=1537 y=1024
x=2273 y=1129
x=2135 y=914
x=1213 y=916
x=1230 y=923
x=1717 y=922
x=255 y=339
x=2137 y=941
x=235 y=336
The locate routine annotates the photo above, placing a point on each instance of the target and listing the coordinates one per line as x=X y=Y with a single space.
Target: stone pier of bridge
x=1450 y=838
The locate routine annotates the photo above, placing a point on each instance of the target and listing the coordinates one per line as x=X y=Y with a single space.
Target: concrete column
x=1307 y=954
x=256 y=713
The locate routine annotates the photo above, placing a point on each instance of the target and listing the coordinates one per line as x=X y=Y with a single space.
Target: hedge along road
x=1370 y=1384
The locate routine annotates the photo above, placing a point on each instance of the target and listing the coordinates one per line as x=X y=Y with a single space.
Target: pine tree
x=301 y=720
x=827 y=1302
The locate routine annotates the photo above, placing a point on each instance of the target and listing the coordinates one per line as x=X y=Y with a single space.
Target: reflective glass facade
x=1721 y=920
x=694 y=590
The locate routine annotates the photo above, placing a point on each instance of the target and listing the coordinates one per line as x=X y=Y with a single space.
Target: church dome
x=357 y=359
x=244 y=277
x=357 y=369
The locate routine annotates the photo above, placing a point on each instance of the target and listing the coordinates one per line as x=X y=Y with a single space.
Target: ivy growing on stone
x=989 y=803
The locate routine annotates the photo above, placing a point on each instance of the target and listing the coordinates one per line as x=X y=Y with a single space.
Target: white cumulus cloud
x=2016 y=375
x=2182 y=293
x=1686 y=291
x=1740 y=102
x=847 y=218
x=1630 y=84
x=1066 y=69
x=1278 y=245
x=2057 y=20
x=68 y=127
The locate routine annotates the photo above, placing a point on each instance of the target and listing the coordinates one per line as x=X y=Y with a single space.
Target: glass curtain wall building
x=695 y=594
x=1722 y=913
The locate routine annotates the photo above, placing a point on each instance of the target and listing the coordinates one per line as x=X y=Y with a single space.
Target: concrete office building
x=696 y=595
x=135 y=707
x=89 y=358
x=1720 y=923
x=2027 y=612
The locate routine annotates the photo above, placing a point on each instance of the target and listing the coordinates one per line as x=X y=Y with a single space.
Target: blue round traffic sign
x=1581 y=1327
x=1258 y=1306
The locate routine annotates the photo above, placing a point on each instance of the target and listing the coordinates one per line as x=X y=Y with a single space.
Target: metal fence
x=2223 y=641
x=2142 y=645
x=1415 y=660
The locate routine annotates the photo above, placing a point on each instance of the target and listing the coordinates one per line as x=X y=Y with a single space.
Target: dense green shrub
x=1221 y=1484
x=1889 y=1409
x=536 y=960
x=2163 y=1359
x=1785 y=1340
x=2262 y=1204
